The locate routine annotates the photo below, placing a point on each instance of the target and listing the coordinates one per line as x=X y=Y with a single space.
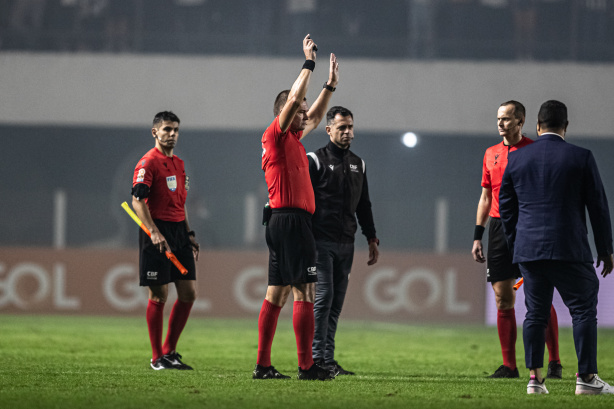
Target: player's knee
x=504 y=300
x=188 y=297
x=505 y=296
x=310 y=292
x=277 y=295
x=158 y=298
x=158 y=293
x=505 y=303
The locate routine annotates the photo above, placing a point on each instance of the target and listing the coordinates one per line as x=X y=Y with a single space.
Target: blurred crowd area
x=580 y=30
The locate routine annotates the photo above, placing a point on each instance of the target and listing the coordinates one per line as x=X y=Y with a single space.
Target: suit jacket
x=546 y=189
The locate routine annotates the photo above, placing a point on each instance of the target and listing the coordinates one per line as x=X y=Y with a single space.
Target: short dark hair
x=281 y=100
x=552 y=115
x=519 y=110
x=337 y=110
x=165 y=116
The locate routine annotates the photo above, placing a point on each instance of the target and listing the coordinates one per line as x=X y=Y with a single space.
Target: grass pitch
x=103 y=362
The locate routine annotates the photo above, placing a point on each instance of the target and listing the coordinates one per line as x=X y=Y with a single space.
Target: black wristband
x=479 y=232
x=309 y=64
x=328 y=87
x=192 y=233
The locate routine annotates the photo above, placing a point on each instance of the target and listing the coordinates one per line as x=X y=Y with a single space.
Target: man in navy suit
x=545 y=192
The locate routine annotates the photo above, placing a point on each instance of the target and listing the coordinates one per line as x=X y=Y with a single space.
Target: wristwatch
x=328 y=87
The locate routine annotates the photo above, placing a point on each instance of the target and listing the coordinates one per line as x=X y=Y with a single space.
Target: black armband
x=478 y=232
x=192 y=233
x=309 y=64
x=140 y=191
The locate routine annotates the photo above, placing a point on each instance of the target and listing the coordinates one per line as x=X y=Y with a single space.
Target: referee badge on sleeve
x=140 y=177
x=171 y=182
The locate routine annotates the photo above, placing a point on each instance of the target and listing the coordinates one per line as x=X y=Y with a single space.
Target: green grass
x=103 y=362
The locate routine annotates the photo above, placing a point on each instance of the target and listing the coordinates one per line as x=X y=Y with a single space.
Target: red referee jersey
x=286 y=169
x=495 y=161
x=166 y=180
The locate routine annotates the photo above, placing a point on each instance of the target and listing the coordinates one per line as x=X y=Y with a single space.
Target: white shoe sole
x=593 y=391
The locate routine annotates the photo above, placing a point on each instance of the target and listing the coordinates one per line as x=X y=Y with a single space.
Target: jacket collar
x=337 y=151
x=550 y=136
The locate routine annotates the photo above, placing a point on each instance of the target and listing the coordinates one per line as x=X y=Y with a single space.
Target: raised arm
x=319 y=107
x=299 y=88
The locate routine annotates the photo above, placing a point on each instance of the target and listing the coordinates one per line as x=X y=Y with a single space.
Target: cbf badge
x=171 y=182
x=140 y=177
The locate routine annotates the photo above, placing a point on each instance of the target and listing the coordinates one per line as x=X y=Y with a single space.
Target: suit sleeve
x=508 y=206
x=363 y=211
x=597 y=206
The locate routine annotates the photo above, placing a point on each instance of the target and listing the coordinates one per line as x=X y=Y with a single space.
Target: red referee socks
x=552 y=336
x=267 y=324
x=506 y=326
x=304 y=327
x=176 y=323
x=155 y=314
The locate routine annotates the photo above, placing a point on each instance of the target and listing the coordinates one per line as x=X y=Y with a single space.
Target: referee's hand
x=195 y=247
x=373 y=253
x=159 y=241
x=608 y=264
x=309 y=48
x=478 y=252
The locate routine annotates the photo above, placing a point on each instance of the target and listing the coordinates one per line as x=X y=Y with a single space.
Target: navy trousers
x=334 y=263
x=578 y=286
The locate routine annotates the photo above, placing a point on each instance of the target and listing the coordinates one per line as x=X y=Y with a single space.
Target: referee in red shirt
x=159 y=190
x=500 y=272
x=292 y=248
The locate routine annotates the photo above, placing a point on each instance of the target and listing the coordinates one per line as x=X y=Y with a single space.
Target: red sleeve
x=485 y=173
x=144 y=172
x=275 y=129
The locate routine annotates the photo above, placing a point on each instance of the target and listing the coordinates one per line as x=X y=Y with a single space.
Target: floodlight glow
x=409 y=139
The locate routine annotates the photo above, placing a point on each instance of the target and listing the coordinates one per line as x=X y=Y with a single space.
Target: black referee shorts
x=499 y=265
x=292 y=248
x=154 y=267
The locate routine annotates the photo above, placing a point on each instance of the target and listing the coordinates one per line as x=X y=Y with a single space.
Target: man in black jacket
x=341 y=191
